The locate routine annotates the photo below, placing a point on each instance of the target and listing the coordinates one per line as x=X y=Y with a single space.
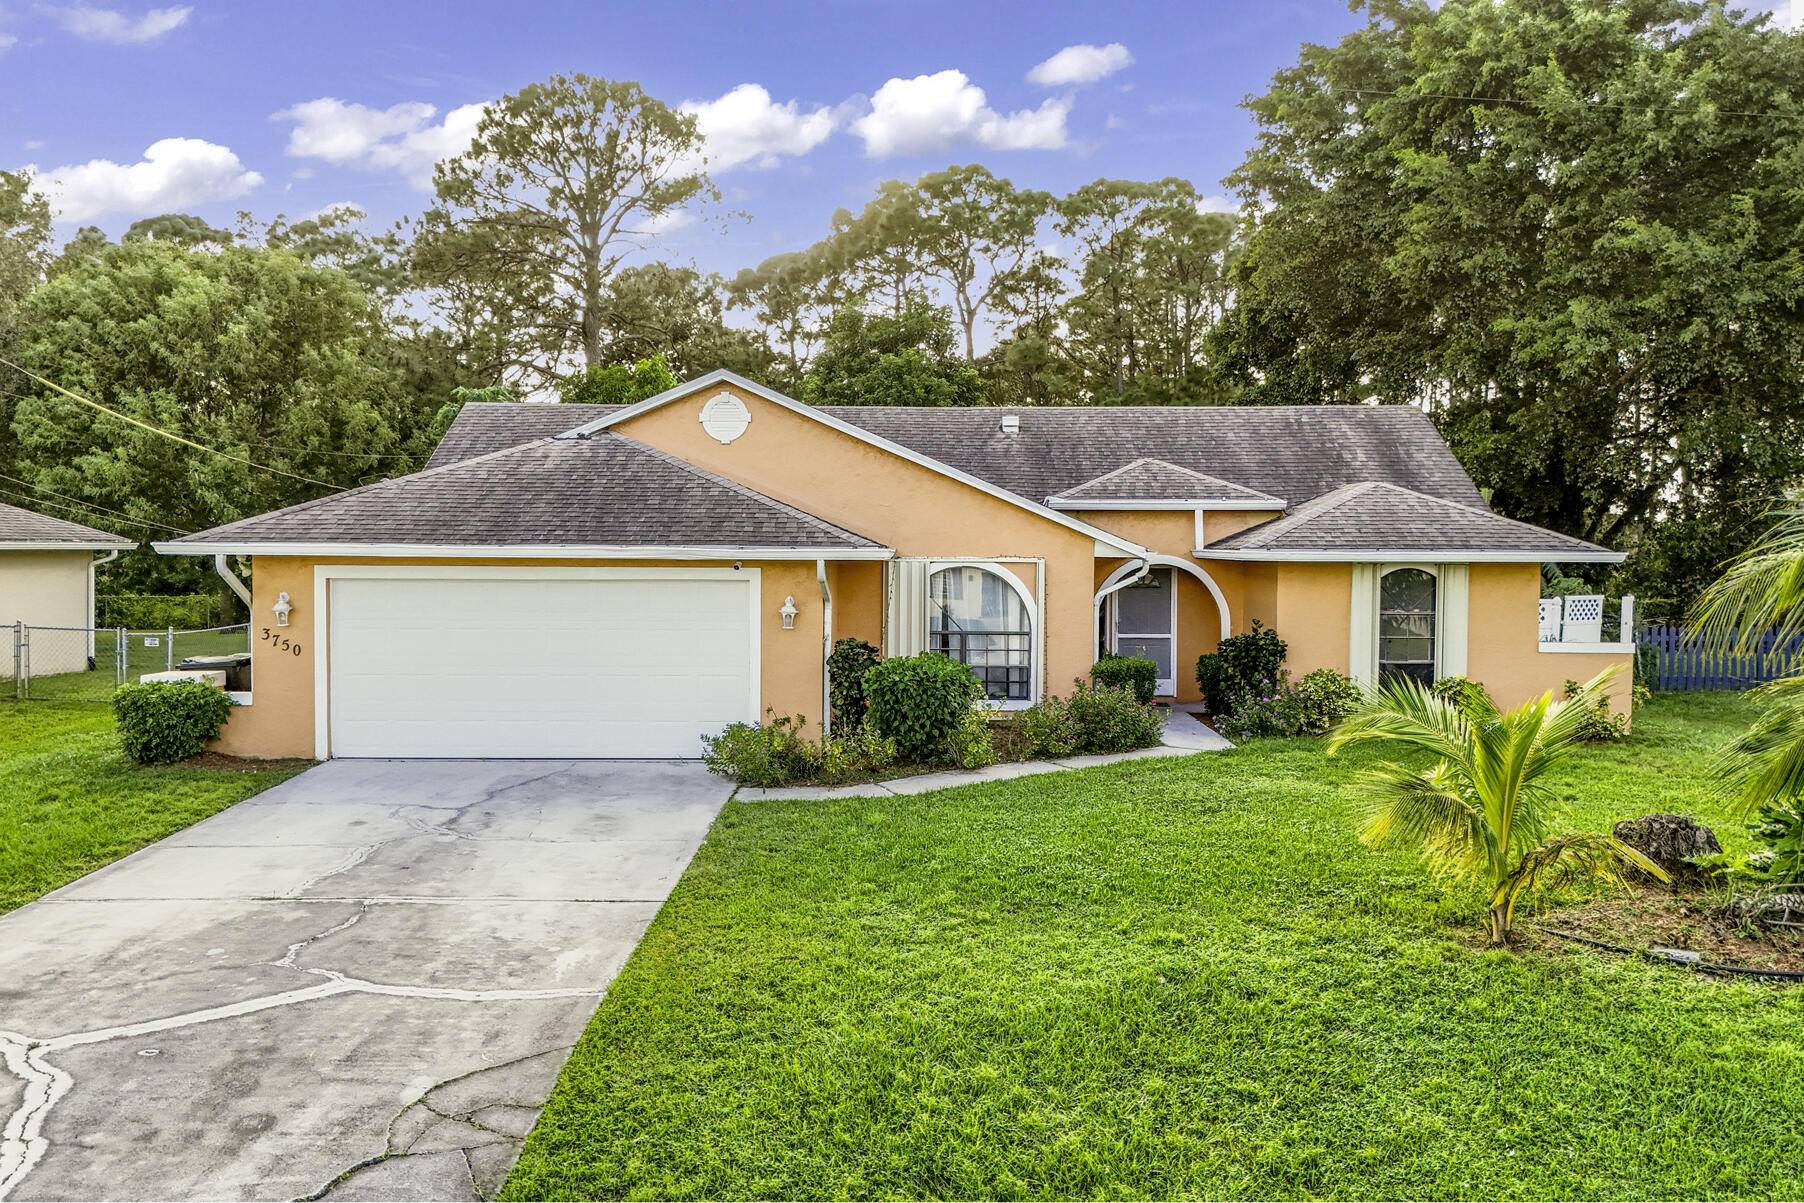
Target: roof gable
x=1154 y=481
x=602 y=491
x=1373 y=520
x=23 y=529
x=485 y=427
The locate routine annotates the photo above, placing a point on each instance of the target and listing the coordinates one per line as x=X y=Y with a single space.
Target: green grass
x=1166 y=978
x=71 y=802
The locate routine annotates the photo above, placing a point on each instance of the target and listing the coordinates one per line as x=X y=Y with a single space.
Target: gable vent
x=1010 y=424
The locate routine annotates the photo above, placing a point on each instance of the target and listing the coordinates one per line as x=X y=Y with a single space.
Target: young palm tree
x=1763 y=590
x=1483 y=808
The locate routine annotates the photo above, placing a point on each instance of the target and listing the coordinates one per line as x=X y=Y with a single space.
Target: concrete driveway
x=376 y=958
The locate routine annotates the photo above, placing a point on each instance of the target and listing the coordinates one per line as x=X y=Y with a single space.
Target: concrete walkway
x=1183 y=736
x=359 y=984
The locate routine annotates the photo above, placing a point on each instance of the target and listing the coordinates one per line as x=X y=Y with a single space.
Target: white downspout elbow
x=94 y=595
x=1146 y=566
x=231 y=578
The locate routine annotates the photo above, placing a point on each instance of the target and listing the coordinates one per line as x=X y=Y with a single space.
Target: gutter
x=820 y=574
x=231 y=578
x=1146 y=566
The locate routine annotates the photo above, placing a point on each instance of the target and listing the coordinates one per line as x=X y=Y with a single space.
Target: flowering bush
x=1095 y=718
x=1266 y=709
x=1323 y=698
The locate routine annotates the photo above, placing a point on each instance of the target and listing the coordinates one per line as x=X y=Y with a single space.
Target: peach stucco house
x=571 y=581
x=47 y=582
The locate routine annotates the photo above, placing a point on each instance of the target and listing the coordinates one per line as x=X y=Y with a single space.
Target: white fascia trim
x=514 y=551
x=1573 y=649
x=1416 y=557
x=722 y=376
x=1068 y=503
x=67 y=546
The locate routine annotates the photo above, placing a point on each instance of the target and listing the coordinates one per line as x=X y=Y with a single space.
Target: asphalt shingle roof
x=485 y=427
x=28 y=526
x=606 y=490
x=1156 y=480
x=1375 y=516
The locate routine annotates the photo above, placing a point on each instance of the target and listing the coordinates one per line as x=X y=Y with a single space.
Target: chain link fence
x=85 y=664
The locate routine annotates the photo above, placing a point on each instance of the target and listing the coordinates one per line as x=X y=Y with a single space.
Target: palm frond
x=1572 y=857
x=1766 y=762
x=1402 y=711
x=1430 y=812
x=1761 y=590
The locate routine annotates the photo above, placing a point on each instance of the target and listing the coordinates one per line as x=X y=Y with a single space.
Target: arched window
x=1406 y=626
x=979 y=619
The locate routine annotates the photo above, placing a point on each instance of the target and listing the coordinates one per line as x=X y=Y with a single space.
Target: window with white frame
x=979 y=619
x=1406 y=624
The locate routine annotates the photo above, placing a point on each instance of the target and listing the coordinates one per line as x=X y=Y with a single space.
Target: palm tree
x=1483 y=809
x=1762 y=591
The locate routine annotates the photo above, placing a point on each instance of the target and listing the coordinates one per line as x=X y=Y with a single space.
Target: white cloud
x=1114 y=122
x=747 y=127
x=35 y=144
x=1080 y=64
x=402 y=138
x=931 y=113
x=7 y=42
x=175 y=173
x=1789 y=14
x=1218 y=204
x=106 y=25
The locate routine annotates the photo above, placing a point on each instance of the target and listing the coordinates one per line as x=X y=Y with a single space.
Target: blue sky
x=283 y=107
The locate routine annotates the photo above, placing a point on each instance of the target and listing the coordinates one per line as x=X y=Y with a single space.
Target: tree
x=618 y=383
x=793 y=296
x=246 y=350
x=1483 y=809
x=563 y=181
x=24 y=259
x=1762 y=593
x=1566 y=227
x=879 y=359
x=678 y=315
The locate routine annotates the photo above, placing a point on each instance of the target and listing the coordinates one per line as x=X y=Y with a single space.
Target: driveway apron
x=361 y=983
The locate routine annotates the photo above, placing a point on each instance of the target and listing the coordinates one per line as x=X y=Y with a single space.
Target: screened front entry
x=980 y=620
x=1145 y=624
x=1406 y=625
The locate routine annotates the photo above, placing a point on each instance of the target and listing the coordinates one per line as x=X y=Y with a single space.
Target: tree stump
x=1670 y=841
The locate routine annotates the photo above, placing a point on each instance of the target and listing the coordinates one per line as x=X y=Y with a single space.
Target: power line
x=94 y=505
x=1567 y=104
x=90 y=515
x=167 y=434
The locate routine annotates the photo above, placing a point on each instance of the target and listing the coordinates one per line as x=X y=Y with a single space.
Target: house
x=47 y=580
x=568 y=581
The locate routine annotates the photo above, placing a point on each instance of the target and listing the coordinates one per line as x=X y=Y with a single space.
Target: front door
x=1145 y=621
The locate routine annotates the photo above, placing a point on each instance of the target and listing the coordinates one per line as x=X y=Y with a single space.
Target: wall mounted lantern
x=789 y=613
x=283 y=607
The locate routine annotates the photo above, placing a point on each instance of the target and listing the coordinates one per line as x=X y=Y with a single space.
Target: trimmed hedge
x=920 y=702
x=1127 y=672
x=165 y=721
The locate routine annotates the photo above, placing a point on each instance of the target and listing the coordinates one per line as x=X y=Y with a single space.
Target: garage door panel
x=544 y=667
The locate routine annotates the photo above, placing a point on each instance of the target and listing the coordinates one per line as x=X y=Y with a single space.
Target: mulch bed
x=237 y=764
x=1654 y=917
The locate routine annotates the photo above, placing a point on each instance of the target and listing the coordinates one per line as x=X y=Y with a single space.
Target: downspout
x=820 y=574
x=1146 y=566
x=231 y=578
x=94 y=596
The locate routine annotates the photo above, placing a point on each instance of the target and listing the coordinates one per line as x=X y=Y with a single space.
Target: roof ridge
x=73 y=526
x=1205 y=477
x=1310 y=510
x=731 y=484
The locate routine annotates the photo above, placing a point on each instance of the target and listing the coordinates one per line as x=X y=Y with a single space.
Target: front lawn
x=1165 y=978
x=71 y=802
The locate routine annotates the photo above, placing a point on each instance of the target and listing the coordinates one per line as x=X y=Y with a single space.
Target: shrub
x=970 y=747
x=1599 y=725
x=166 y=721
x=919 y=702
x=1464 y=694
x=1238 y=664
x=1323 y=698
x=851 y=659
x=1094 y=719
x=1132 y=672
x=859 y=755
x=1778 y=830
x=156 y=612
x=1268 y=709
x=768 y=754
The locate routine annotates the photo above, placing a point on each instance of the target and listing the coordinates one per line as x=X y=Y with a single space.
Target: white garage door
x=561 y=667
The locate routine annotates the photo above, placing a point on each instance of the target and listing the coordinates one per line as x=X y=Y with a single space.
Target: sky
x=279 y=107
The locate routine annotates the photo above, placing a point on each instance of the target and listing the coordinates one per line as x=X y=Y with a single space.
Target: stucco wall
x=903 y=505
x=1503 y=641
x=280 y=720
x=46 y=588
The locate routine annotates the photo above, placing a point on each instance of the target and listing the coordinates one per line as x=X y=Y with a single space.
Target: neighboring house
x=568 y=580
x=47 y=580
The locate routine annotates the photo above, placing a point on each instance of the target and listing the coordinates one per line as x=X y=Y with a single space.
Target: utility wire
x=90 y=515
x=168 y=434
x=1566 y=104
x=93 y=505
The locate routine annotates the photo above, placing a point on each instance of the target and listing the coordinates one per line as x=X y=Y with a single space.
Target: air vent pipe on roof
x=1010 y=424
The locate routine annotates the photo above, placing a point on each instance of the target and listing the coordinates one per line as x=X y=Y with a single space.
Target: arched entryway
x=1159 y=608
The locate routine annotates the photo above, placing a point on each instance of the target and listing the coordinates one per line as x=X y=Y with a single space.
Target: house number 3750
x=280 y=642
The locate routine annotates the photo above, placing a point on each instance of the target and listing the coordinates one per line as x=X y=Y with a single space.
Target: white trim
x=1036 y=624
x=722 y=376
x=1453 y=602
x=240 y=697
x=324 y=574
x=1362 y=639
x=515 y=551
x=1571 y=649
x=1221 y=601
x=1398 y=556
x=1274 y=506
x=28 y=546
x=1202 y=536
x=1439 y=573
